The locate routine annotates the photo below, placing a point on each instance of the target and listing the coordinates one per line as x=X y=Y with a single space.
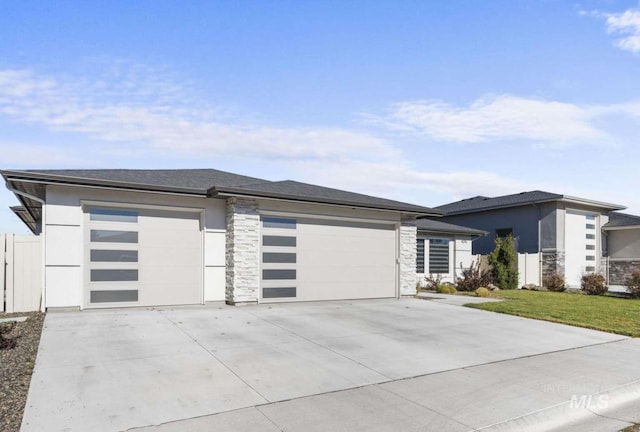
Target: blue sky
x=426 y=102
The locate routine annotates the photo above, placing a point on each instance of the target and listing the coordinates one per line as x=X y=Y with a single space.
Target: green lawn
x=610 y=314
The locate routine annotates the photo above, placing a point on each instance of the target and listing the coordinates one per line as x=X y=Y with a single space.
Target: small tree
x=504 y=263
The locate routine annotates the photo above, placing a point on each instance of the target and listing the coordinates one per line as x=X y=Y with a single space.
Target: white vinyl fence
x=20 y=273
x=529 y=269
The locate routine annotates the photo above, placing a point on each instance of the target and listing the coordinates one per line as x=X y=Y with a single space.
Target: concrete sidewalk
x=596 y=388
x=389 y=364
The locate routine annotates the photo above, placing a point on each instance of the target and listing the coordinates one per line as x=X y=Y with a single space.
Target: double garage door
x=305 y=259
x=149 y=257
x=140 y=257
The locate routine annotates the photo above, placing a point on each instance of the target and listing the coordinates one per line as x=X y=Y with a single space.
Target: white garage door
x=312 y=259
x=142 y=257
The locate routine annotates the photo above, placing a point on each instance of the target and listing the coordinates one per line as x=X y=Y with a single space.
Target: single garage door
x=314 y=259
x=141 y=257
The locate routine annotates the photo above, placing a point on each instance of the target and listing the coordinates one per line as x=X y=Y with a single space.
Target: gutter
x=236 y=192
x=89 y=182
x=570 y=200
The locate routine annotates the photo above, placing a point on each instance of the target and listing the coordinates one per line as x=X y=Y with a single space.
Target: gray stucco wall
x=522 y=220
x=548 y=226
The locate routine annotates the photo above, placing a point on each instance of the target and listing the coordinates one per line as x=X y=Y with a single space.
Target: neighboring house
x=444 y=249
x=168 y=237
x=566 y=232
x=622 y=240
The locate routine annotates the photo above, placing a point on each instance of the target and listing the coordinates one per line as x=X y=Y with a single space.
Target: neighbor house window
x=438 y=256
x=420 y=256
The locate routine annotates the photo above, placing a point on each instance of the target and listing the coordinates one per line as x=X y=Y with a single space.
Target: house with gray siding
x=118 y=238
x=568 y=233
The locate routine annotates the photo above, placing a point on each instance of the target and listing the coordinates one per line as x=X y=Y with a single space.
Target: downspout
x=43 y=229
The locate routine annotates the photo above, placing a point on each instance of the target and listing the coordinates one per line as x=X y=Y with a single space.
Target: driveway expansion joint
x=321 y=346
x=215 y=357
x=423 y=406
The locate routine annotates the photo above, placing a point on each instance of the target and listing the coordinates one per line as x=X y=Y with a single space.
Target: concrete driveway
x=363 y=365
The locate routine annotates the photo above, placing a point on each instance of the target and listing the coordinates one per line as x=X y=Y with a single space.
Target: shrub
x=554 y=282
x=504 y=263
x=482 y=292
x=446 y=289
x=442 y=289
x=593 y=284
x=432 y=283
x=473 y=278
x=633 y=284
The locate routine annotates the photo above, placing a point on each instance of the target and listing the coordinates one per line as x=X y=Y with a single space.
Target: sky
x=426 y=102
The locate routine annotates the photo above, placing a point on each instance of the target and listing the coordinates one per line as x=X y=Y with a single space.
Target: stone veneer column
x=242 y=251
x=552 y=262
x=408 y=254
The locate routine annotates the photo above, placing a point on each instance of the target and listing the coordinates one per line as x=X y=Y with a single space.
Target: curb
x=581 y=408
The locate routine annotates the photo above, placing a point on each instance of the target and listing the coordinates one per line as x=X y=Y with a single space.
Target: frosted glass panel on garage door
x=342 y=260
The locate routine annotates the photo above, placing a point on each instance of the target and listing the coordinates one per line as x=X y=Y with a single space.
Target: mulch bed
x=18 y=350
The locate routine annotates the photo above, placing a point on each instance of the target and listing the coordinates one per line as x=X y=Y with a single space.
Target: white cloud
x=626 y=23
x=18 y=155
x=505 y=117
x=404 y=182
x=124 y=113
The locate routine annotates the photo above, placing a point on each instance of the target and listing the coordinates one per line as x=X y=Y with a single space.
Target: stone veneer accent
x=408 y=254
x=619 y=271
x=242 y=251
x=552 y=262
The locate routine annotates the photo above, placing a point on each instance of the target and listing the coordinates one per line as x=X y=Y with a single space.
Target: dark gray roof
x=202 y=182
x=289 y=189
x=617 y=220
x=186 y=179
x=431 y=225
x=482 y=203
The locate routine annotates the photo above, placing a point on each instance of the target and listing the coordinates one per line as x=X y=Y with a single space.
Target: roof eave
x=227 y=191
x=565 y=199
x=620 y=228
x=591 y=203
x=10 y=175
x=23 y=214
